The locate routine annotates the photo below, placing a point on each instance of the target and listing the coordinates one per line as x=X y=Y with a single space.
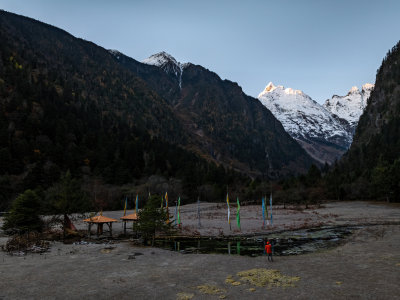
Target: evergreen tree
x=24 y=214
x=66 y=197
x=152 y=219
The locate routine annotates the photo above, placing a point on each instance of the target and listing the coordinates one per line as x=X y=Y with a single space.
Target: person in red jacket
x=268 y=250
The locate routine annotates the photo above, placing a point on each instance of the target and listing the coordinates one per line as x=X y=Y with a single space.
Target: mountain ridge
x=66 y=103
x=190 y=95
x=351 y=106
x=371 y=167
x=321 y=134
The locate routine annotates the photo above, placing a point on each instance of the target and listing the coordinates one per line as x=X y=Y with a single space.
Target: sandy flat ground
x=367 y=266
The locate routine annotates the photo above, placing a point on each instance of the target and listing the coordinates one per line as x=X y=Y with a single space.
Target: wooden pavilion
x=129 y=218
x=100 y=221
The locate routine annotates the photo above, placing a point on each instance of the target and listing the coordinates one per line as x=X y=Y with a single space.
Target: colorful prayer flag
x=266 y=209
x=137 y=203
x=179 y=212
x=229 y=210
x=176 y=212
x=238 y=213
x=270 y=205
x=263 y=210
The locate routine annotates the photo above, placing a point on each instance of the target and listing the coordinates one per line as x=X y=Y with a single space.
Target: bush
x=29 y=242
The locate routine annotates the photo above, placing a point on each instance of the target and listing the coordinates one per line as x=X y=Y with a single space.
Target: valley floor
x=367 y=266
x=214 y=222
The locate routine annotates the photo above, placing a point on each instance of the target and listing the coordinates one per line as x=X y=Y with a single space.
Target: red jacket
x=268 y=248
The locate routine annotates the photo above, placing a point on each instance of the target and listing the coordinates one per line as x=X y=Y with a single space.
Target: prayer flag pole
x=238 y=213
x=198 y=211
x=229 y=211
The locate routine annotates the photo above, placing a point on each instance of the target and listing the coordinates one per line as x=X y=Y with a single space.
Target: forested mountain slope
x=371 y=168
x=224 y=124
x=66 y=103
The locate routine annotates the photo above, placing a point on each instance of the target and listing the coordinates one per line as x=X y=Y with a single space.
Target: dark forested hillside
x=65 y=104
x=68 y=104
x=371 y=168
x=224 y=124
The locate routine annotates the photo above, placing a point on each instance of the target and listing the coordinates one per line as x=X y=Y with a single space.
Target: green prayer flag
x=179 y=211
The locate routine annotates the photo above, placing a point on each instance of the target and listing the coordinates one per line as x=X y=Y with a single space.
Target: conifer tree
x=24 y=214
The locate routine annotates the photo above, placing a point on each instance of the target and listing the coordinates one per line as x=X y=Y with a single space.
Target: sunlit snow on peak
x=279 y=89
x=368 y=86
x=351 y=106
x=301 y=116
x=291 y=91
x=354 y=89
x=270 y=87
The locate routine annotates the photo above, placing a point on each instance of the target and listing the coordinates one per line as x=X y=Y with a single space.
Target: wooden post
x=89 y=229
x=64 y=226
x=124 y=227
x=110 y=228
x=99 y=229
x=136 y=232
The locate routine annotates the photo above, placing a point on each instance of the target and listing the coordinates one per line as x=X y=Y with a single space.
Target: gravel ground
x=213 y=217
x=367 y=266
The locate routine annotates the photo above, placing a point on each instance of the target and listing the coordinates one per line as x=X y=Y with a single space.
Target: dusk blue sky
x=320 y=47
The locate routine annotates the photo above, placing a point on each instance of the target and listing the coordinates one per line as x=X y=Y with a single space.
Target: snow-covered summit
x=300 y=115
x=351 y=106
x=306 y=120
x=271 y=87
x=168 y=63
x=354 y=90
x=368 y=86
x=160 y=59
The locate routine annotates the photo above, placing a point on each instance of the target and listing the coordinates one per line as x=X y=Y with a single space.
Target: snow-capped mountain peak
x=168 y=63
x=271 y=88
x=160 y=59
x=368 y=87
x=354 y=90
x=351 y=106
x=307 y=121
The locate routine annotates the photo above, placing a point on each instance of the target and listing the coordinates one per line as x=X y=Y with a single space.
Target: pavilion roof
x=100 y=219
x=131 y=217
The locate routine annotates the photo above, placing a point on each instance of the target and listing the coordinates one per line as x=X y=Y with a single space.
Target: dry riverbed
x=367 y=266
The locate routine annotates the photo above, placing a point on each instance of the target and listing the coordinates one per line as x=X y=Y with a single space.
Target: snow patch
x=168 y=63
x=114 y=52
